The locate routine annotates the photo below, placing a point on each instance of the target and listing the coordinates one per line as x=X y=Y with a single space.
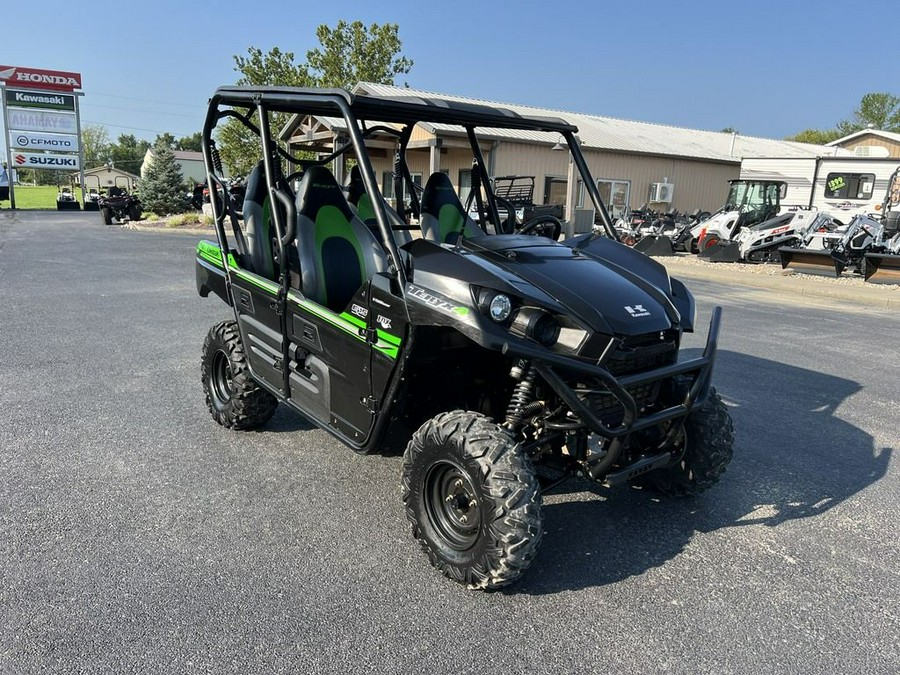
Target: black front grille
x=609 y=410
x=643 y=352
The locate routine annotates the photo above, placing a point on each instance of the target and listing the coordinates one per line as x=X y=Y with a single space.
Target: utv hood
x=608 y=286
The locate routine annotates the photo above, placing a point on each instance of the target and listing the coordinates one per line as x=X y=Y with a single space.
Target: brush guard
x=699 y=369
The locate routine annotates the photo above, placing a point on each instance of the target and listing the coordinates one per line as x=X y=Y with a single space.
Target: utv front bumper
x=696 y=371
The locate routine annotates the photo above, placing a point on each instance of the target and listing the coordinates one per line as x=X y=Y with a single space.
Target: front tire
x=106 y=214
x=473 y=501
x=709 y=438
x=234 y=399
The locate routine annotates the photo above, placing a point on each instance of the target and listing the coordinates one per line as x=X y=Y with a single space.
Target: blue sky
x=765 y=68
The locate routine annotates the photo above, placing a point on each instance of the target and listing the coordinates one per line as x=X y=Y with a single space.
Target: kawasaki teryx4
x=503 y=360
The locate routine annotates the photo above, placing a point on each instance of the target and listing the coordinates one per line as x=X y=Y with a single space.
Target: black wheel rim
x=222 y=381
x=452 y=505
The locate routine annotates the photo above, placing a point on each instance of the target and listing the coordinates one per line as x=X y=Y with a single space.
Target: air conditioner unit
x=661 y=192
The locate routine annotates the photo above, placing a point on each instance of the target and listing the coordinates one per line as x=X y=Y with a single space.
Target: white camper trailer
x=842 y=186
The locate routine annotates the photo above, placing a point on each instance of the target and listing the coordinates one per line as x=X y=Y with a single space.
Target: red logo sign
x=36 y=78
x=20 y=159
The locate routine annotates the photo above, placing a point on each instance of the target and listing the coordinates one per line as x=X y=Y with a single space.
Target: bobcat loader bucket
x=721 y=251
x=822 y=263
x=882 y=268
x=655 y=245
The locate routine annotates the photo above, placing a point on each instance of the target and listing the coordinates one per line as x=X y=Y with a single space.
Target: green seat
x=443 y=216
x=338 y=252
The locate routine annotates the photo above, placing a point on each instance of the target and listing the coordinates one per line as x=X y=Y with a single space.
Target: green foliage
x=877 y=110
x=161 y=189
x=95 y=145
x=729 y=130
x=348 y=53
x=352 y=53
x=127 y=153
x=192 y=142
x=816 y=136
x=166 y=139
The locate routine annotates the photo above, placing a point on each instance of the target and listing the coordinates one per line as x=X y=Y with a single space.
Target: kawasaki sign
x=37 y=78
x=34 y=160
x=31 y=99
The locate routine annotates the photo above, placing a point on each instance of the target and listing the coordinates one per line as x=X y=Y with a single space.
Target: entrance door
x=616 y=195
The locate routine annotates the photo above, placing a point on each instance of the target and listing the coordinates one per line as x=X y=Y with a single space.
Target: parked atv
x=118 y=205
x=504 y=362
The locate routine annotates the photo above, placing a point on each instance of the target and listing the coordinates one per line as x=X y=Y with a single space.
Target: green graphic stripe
x=387 y=344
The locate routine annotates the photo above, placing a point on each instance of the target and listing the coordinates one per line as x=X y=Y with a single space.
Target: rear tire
x=473 y=501
x=709 y=435
x=106 y=214
x=134 y=213
x=234 y=399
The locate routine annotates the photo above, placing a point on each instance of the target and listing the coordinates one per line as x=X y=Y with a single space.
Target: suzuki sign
x=32 y=140
x=33 y=160
x=37 y=78
x=20 y=119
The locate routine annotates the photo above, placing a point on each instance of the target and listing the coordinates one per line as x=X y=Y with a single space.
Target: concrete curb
x=854 y=291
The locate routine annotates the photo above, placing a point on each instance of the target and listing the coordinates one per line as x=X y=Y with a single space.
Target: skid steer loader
x=881 y=264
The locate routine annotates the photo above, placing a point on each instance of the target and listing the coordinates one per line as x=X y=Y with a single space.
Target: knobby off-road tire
x=474 y=501
x=234 y=399
x=106 y=214
x=709 y=438
x=134 y=213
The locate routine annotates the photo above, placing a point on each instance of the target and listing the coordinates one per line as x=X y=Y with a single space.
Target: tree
x=816 y=136
x=352 y=53
x=161 y=189
x=166 y=139
x=95 y=145
x=192 y=142
x=348 y=53
x=127 y=153
x=878 y=110
x=729 y=130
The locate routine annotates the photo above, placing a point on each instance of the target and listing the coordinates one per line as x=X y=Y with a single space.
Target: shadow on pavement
x=793 y=459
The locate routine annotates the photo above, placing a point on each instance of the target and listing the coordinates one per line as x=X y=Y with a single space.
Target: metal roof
x=617 y=135
x=889 y=135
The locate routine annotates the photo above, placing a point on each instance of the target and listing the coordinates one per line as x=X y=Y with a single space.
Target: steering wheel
x=540 y=226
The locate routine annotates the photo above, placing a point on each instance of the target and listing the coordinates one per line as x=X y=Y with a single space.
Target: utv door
x=333 y=356
x=259 y=320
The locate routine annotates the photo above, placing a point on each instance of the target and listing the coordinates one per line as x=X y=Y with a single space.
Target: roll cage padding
x=443 y=216
x=258 y=223
x=337 y=251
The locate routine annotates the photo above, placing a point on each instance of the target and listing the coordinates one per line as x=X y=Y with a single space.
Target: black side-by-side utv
x=503 y=360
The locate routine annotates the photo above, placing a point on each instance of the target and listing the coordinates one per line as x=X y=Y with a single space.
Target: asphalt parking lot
x=137 y=536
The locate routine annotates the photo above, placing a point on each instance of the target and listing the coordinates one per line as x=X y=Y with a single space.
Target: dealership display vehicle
x=118 y=205
x=504 y=361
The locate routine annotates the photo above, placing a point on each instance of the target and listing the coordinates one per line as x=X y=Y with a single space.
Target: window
x=554 y=190
x=615 y=194
x=849 y=185
x=465 y=184
x=387 y=186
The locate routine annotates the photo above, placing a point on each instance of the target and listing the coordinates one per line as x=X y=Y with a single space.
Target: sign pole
x=80 y=148
x=9 y=164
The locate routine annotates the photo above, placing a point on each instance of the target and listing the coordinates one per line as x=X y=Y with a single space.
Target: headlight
x=500 y=307
x=536 y=324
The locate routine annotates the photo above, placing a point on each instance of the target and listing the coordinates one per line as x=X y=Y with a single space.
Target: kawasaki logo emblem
x=636 y=311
